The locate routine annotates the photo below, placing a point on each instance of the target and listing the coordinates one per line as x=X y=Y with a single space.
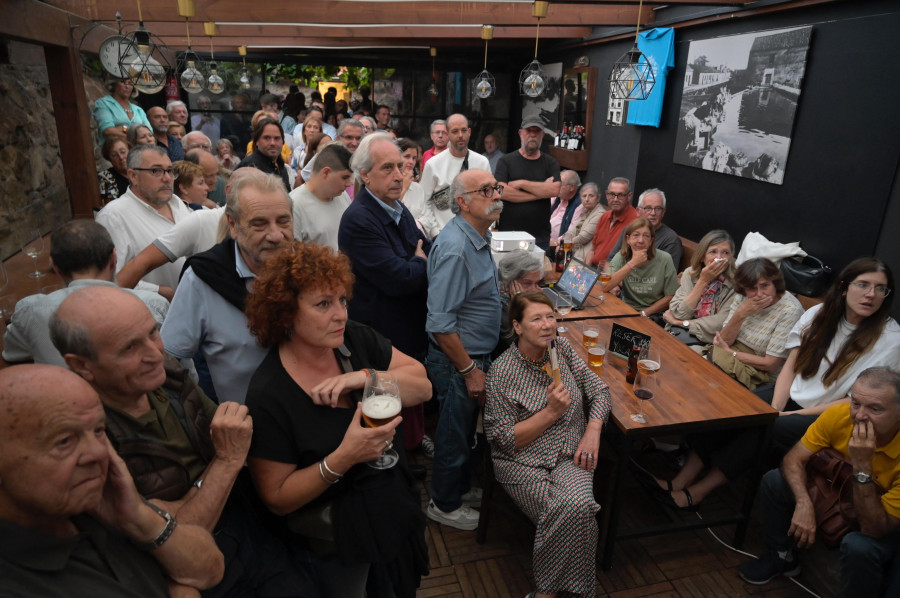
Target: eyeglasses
x=865 y=287
x=157 y=172
x=654 y=210
x=611 y=195
x=636 y=236
x=489 y=190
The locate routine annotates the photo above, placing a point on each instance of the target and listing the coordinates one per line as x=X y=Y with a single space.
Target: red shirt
x=609 y=229
x=429 y=153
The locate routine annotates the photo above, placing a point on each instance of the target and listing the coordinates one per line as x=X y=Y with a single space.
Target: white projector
x=511 y=240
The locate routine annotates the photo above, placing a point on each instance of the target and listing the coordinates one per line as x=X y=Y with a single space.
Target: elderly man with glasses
x=147 y=210
x=613 y=223
x=652 y=206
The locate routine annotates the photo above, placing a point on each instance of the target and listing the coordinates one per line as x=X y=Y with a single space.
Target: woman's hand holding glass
x=362 y=444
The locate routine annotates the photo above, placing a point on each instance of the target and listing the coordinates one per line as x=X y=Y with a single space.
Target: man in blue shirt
x=464 y=325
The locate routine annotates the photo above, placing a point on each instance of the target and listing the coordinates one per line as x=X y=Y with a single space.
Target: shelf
x=570 y=159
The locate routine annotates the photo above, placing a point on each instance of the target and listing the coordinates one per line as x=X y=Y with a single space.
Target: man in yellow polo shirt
x=867 y=432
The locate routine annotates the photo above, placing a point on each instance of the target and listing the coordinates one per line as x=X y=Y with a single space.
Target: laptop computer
x=577 y=280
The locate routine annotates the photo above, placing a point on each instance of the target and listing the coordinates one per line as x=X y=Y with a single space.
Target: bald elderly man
x=72 y=522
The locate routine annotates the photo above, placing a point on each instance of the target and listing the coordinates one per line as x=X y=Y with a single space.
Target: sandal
x=690 y=500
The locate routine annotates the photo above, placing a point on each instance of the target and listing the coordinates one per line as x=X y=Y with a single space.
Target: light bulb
x=147 y=75
x=192 y=79
x=215 y=83
x=534 y=85
x=484 y=89
x=245 y=80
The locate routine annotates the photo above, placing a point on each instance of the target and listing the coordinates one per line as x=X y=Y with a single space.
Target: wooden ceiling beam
x=176 y=32
x=351 y=12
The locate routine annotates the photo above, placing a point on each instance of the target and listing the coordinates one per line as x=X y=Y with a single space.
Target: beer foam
x=381 y=406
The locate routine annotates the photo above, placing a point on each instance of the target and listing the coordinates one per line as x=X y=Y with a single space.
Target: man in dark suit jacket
x=388 y=252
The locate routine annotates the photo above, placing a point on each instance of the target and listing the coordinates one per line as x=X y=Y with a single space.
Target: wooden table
x=692 y=395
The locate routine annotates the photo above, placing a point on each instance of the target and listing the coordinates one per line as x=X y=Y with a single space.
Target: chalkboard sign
x=622 y=339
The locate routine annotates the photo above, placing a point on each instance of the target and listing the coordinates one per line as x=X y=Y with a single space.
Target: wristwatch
x=171 y=523
x=862 y=477
x=686 y=323
x=644 y=313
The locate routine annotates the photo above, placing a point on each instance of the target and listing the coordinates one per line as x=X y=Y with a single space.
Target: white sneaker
x=464 y=518
x=472 y=497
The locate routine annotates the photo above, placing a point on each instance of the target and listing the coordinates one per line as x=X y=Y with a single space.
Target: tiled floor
x=686 y=564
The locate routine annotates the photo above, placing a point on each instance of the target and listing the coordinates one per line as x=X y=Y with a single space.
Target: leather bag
x=830 y=486
x=806 y=276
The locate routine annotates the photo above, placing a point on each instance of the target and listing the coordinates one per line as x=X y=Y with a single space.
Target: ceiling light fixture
x=632 y=76
x=192 y=79
x=484 y=82
x=433 y=90
x=215 y=83
x=136 y=62
x=531 y=79
x=245 y=76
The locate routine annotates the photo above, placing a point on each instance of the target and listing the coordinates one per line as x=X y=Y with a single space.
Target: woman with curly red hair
x=309 y=452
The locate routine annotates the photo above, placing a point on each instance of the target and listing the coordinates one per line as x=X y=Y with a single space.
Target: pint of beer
x=589 y=336
x=596 y=357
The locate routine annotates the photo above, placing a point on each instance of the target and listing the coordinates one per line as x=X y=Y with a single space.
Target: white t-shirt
x=317 y=221
x=133 y=225
x=438 y=174
x=194 y=234
x=414 y=199
x=811 y=392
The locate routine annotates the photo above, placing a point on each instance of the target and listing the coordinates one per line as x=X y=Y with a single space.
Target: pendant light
x=433 y=90
x=484 y=82
x=531 y=79
x=192 y=79
x=144 y=71
x=215 y=83
x=632 y=76
x=245 y=76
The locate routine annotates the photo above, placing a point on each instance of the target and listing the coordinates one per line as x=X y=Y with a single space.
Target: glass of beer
x=596 y=357
x=589 y=336
x=646 y=380
x=604 y=278
x=380 y=405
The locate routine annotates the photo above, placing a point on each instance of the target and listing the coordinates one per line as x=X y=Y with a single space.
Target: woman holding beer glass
x=700 y=305
x=647 y=275
x=545 y=447
x=310 y=448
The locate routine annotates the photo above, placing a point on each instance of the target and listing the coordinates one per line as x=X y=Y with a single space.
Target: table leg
x=612 y=528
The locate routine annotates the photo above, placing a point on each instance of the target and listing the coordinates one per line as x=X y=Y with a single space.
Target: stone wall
x=33 y=191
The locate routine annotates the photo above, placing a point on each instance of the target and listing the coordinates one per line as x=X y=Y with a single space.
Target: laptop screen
x=577 y=280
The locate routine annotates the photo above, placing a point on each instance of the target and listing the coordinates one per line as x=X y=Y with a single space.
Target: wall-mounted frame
x=576 y=106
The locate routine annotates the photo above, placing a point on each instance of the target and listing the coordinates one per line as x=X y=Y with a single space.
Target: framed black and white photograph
x=546 y=105
x=739 y=98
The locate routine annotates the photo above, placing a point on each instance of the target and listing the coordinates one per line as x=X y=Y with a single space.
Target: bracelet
x=644 y=313
x=198 y=484
x=628 y=263
x=368 y=371
x=164 y=535
x=331 y=471
x=734 y=354
x=325 y=479
x=467 y=370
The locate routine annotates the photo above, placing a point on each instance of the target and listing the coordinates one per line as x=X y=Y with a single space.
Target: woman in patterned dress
x=544 y=441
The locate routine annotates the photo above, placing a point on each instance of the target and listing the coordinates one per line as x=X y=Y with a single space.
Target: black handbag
x=807 y=276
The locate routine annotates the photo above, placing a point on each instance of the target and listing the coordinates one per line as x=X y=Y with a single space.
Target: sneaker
x=768 y=567
x=427 y=447
x=472 y=497
x=464 y=518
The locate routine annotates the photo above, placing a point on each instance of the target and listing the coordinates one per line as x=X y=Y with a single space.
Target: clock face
x=115 y=50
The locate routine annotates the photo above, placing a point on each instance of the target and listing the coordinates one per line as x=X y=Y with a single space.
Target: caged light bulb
x=215 y=83
x=147 y=74
x=534 y=85
x=191 y=78
x=245 y=79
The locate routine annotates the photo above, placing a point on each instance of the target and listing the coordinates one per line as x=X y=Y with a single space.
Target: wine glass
x=380 y=405
x=563 y=306
x=645 y=381
x=33 y=246
x=604 y=277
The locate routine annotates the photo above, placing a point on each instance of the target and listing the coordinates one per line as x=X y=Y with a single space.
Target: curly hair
x=749 y=273
x=272 y=303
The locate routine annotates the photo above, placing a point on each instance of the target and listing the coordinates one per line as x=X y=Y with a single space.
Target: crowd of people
x=248 y=277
